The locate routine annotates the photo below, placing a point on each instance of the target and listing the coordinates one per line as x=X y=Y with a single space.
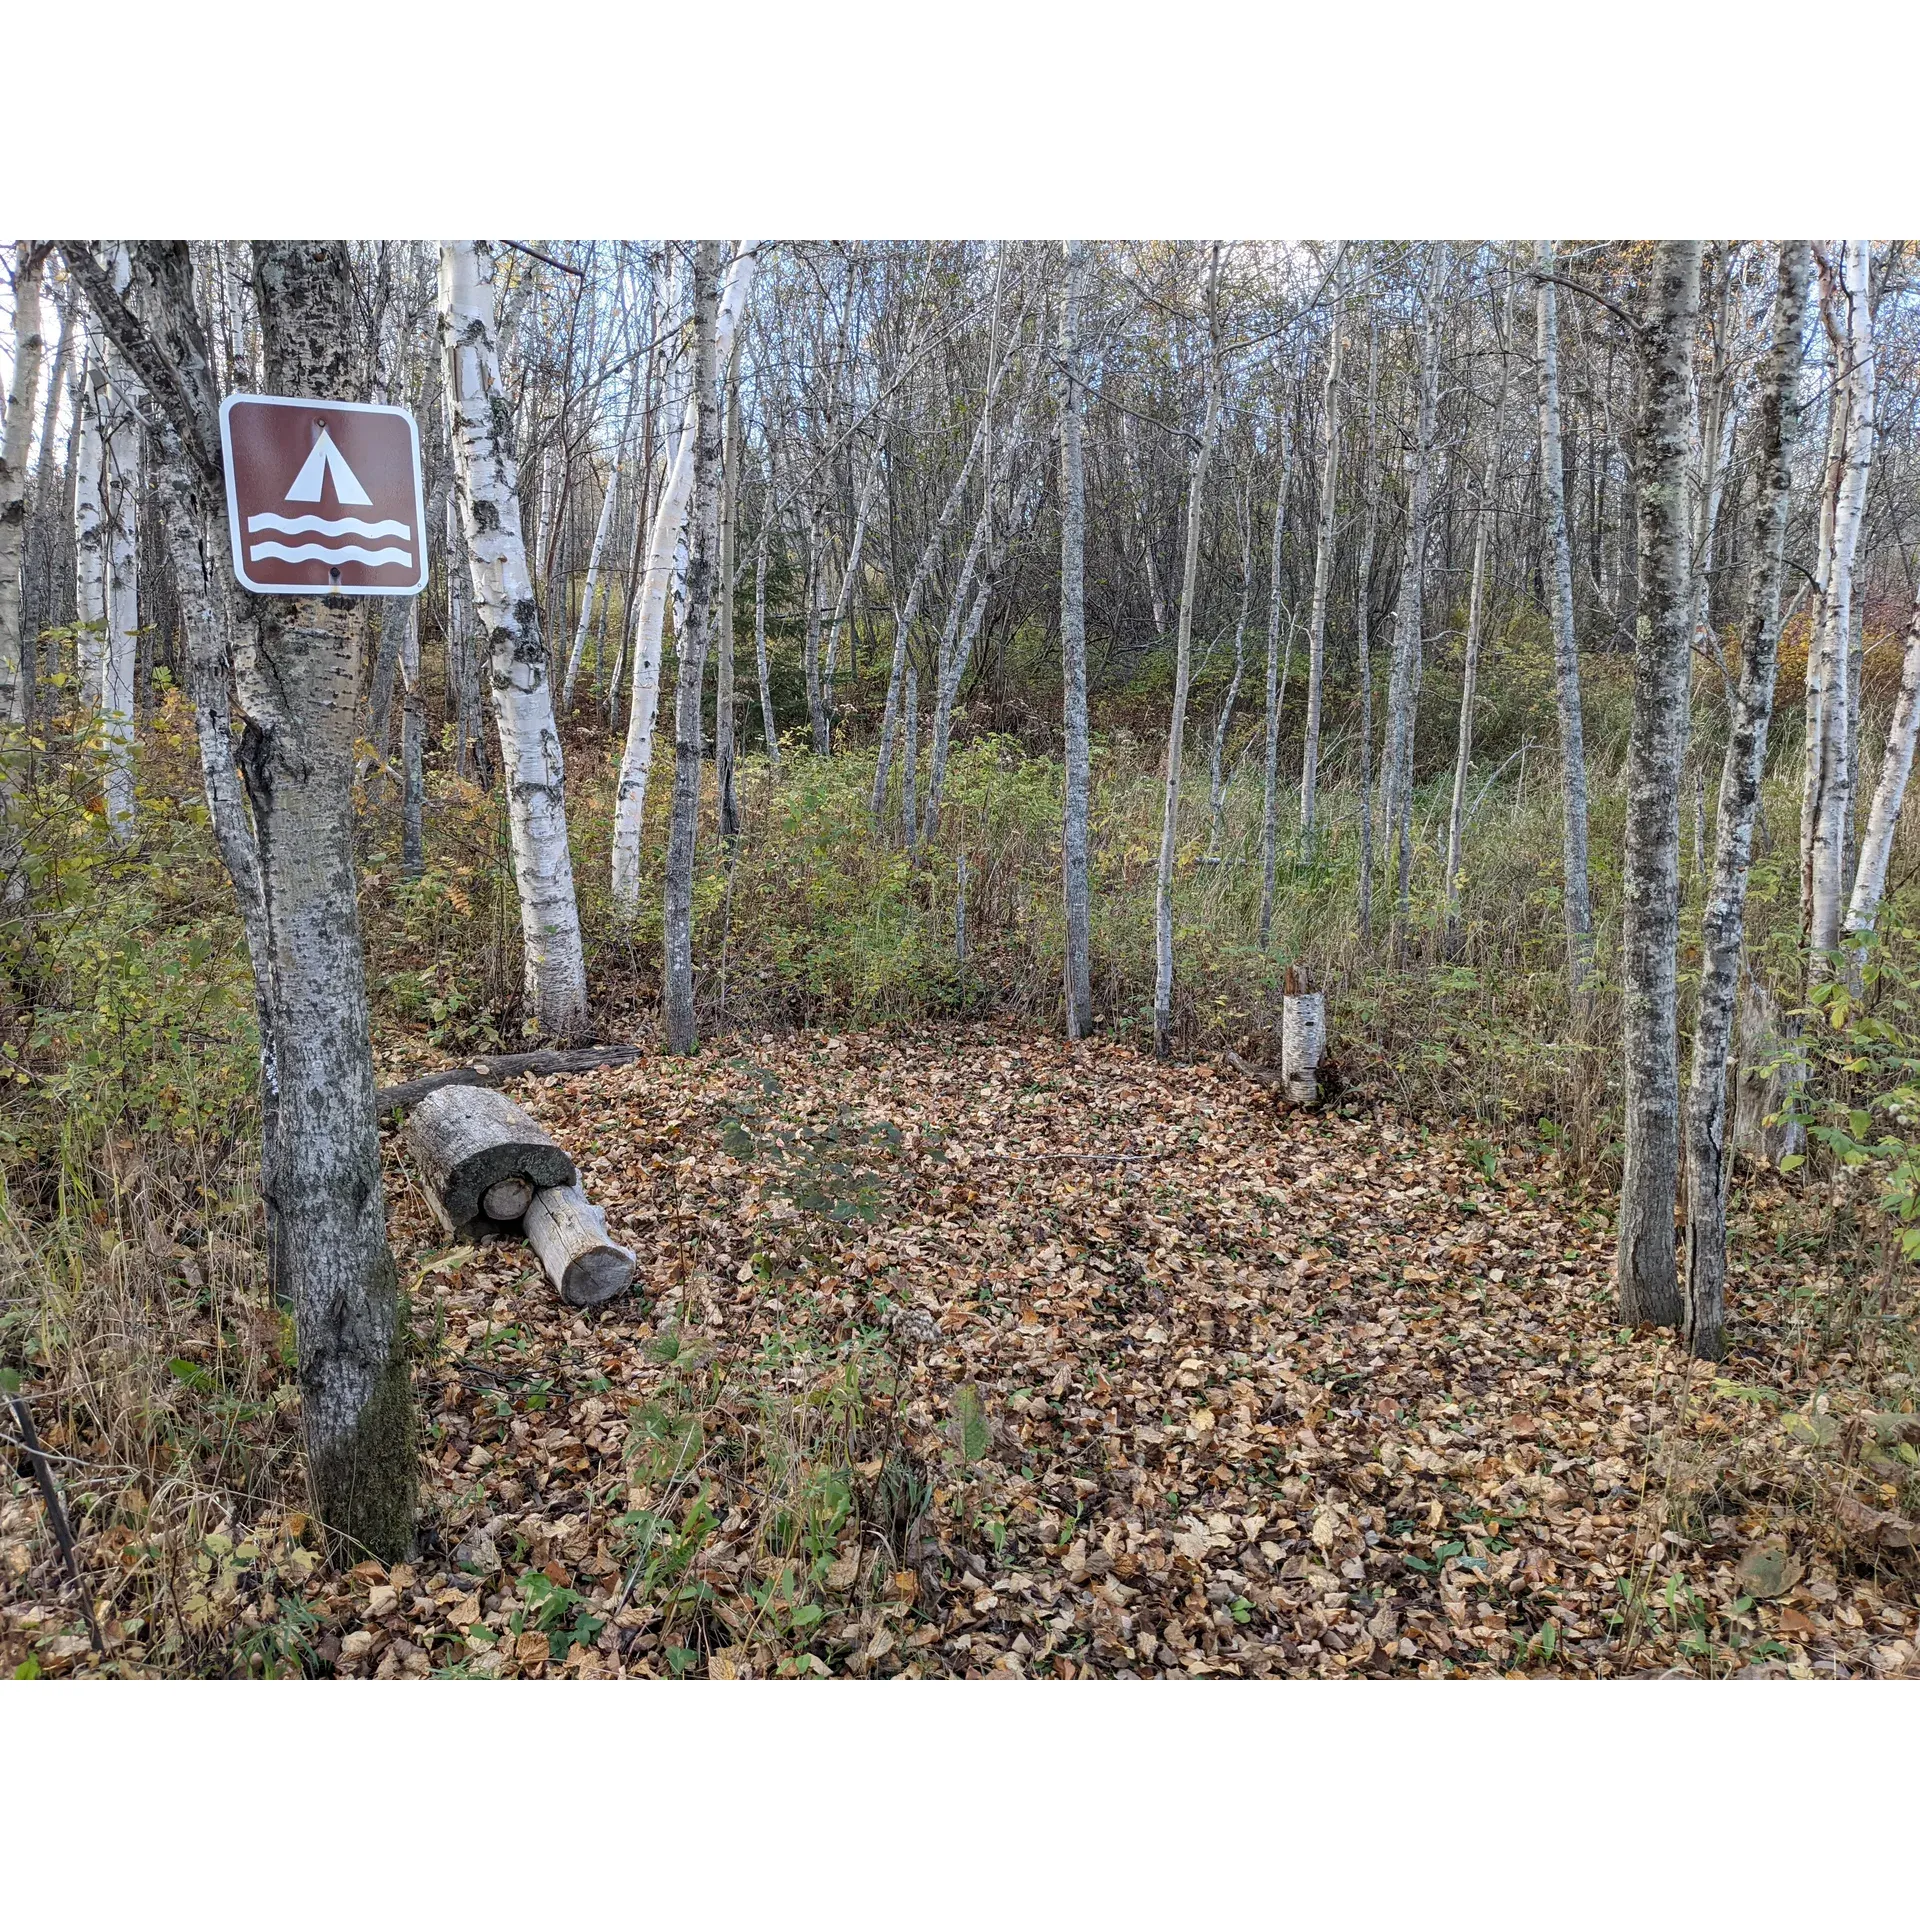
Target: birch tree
x=682 y=1029
x=120 y=442
x=1270 y=796
x=1576 y=900
x=1363 y=642
x=1649 y=1289
x=1322 y=585
x=16 y=445
x=1182 y=669
x=725 y=717
x=555 y=970
x=1073 y=649
x=669 y=522
x=1483 y=513
x=595 y=554
x=1896 y=765
x=90 y=544
x=1831 y=756
x=1723 y=922
x=1403 y=693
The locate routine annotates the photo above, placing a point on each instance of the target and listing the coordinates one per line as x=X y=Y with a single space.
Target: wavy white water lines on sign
x=312 y=523
x=334 y=556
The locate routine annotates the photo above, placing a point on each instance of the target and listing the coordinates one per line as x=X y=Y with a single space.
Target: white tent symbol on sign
x=327 y=460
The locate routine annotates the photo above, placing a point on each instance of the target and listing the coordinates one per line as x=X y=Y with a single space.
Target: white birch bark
x=595 y=553
x=504 y=605
x=1896 y=764
x=1723 y=921
x=1182 y=667
x=917 y=586
x=1363 y=645
x=703 y=541
x=1649 y=1289
x=1073 y=651
x=90 y=542
x=1270 y=797
x=760 y=653
x=1217 y=761
x=1576 y=899
x=1484 y=509
x=120 y=435
x=1322 y=585
x=1403 y=694
x=16 y=445
x=413 y=740
x=1834 y=792
x=850 y=580
x=725 y=715
x=669 y=524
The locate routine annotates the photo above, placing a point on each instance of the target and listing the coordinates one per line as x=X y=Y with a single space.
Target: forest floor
x=976 y=1354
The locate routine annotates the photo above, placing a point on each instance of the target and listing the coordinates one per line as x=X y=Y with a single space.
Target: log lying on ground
x=569 y=1233
x=492 y=1068
x=469 y=1143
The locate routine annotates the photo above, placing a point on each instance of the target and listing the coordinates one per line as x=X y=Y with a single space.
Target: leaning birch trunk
x=1177 y=726
x=669 y=520
x=682 y=1029
x=910 y=765
x=1469 y=680
x=725 y=718
x=849 y=581
x=1403 y=693
x=16 y=445
x=917 y=586
x=1484 y=508
x=1270 y=796
x=1722 y=924
x=1833 y=809
x=121 y=445
x=555 y=963
x=1322 y=584
x=569 y=1233
x=1073 y=651
x=1650 y=921
x=89 y=543
x=1363 y=645
x=595 y=554
x=1217 y=761
x=1576 y=902
x=760 y=654
x=810 y=649
x=413 y=741
x=1896 y=764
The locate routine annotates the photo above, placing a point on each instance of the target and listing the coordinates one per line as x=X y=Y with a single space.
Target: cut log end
x=507 y=1199
x=468 y=1141
x=569 y=1233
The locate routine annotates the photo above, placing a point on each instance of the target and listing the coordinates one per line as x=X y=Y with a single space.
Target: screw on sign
x=323 y=496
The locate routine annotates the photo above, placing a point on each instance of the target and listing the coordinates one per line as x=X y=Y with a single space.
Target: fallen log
x=490 y=1069
x=470 y=1144
x=584 y=1262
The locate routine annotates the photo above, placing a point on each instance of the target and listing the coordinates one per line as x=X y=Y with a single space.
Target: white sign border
x=236 y=535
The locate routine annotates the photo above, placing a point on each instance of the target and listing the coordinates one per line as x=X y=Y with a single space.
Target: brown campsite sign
x=323 y=496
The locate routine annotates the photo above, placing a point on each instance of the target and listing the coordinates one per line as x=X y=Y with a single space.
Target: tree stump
x=1303 y=1039
x=470 y=1141
x=569 y=1233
